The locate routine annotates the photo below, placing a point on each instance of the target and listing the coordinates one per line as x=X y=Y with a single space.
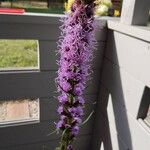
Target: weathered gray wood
x=31 y=133
x=34 y=26
x=101 y=34
x=82 y=143
x=35 y=18
x=135 y=12
x=37 y=31
x=47 y=55
x=101 y=28
x=29 y=31
x=93 y=84
x=98 y=56
x=32 y=84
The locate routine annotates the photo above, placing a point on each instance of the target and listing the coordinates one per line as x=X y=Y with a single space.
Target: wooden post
x=135 y=12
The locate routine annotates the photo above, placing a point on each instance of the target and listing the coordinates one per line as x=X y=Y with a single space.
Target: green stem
x=65 y=138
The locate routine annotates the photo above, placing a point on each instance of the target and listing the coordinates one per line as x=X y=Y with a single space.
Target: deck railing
x=39 y=83
x=120 y=82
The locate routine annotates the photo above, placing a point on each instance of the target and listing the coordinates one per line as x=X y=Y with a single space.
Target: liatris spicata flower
x=76 y=46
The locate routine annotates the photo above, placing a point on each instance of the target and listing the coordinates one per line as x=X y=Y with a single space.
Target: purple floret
x=59 y=125
x=63 y=99
x=69 y=147
x=75 y=130
x=60 y=109
x=81 y=100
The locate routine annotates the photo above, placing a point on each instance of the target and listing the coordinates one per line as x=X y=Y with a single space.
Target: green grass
x=18 y=53
x=48 y=10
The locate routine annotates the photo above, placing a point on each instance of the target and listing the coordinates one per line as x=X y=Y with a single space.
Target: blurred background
x=103 y=8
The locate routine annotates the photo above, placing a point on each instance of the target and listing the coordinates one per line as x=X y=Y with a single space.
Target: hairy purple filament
x=76 y=45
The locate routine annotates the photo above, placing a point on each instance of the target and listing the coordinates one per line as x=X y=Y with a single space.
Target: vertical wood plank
x=47 y=55
x=135 y=12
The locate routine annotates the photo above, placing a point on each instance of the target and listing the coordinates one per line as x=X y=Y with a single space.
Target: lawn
x=18 y=53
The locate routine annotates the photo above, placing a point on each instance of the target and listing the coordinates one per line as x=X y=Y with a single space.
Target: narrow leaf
x=88 y=118
x=52 y=132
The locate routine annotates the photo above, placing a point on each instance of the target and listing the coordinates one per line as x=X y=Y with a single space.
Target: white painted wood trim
x=140 y=32
x=144 y=125
x=135 y=12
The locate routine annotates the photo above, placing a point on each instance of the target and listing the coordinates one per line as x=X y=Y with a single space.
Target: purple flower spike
x=75 y=48
x=75 y=130
x=69 y=147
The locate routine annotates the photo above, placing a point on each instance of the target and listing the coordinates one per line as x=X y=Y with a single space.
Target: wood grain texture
x=29 y=31
x=32 y=84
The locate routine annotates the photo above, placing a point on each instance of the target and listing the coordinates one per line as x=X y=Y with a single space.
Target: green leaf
x=52 y=132
x=88 y=118
x=94 y=103
x=63 y=134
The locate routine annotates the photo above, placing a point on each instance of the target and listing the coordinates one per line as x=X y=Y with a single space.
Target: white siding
x=124 y=76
